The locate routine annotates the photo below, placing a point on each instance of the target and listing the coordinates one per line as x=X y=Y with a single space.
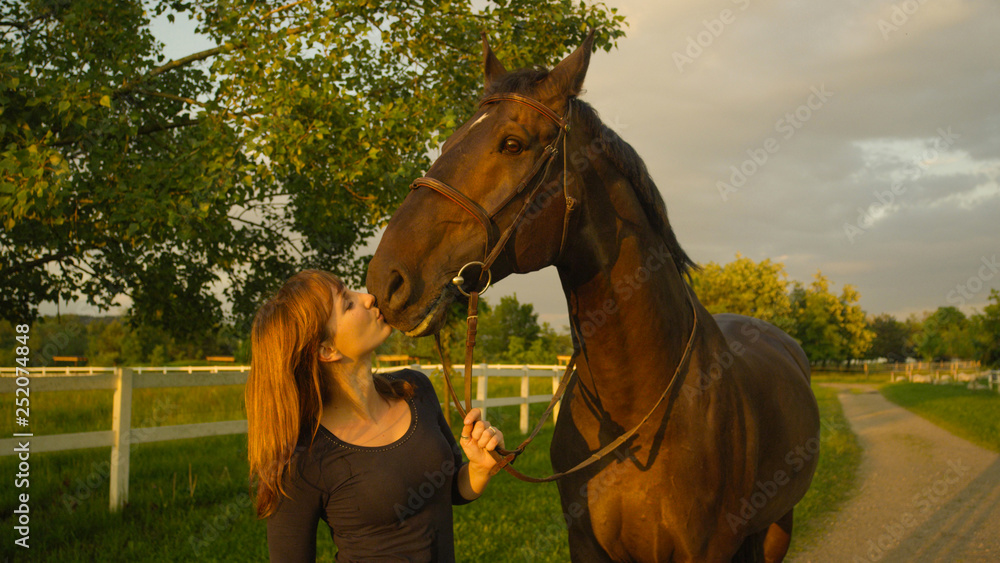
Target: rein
x=491 y=252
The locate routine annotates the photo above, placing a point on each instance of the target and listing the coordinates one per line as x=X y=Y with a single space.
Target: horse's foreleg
x=779 y=535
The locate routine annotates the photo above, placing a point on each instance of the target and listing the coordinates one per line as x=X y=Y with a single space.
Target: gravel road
x=924 y=495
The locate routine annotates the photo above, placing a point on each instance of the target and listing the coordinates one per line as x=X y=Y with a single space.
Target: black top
x=387 y=503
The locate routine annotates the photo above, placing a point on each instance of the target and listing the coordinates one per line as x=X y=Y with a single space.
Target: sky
x=856 y=138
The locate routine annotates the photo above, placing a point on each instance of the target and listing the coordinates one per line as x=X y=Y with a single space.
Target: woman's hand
x=478 y=438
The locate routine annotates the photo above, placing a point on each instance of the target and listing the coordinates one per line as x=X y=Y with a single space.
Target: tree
x=746 y=288
x=284 y=147
x=986 y=332
x=544 y=350
x=507 y=333
x=945 y=335
x=857 y=336
x=828 y=327
x=452 y=335
x=891 y=340
x=504 y=322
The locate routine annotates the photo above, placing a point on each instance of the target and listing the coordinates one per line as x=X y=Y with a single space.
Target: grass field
x=970 y=414
x=188 y=499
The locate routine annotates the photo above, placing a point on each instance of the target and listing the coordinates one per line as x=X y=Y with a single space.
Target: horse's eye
x=512 y=146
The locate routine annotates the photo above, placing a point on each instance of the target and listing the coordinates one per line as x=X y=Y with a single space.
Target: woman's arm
x=291 y=530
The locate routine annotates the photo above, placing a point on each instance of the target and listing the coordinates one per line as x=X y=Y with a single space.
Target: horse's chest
x=630 y=513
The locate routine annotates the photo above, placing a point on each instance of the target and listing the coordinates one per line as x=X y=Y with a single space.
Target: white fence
x=123 y=380
x=990 y=379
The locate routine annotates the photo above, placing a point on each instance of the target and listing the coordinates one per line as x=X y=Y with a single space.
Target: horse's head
x=496 y=194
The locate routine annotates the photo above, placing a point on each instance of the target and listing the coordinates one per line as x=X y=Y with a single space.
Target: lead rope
x=506 y=457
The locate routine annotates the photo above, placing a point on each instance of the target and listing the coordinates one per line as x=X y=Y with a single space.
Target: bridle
x=494 y=245
x=496 y=242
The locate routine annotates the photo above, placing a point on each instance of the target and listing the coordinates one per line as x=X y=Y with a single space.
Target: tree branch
x=175 y=64
x=30 y=264
x=142 y=131
x=285 y=7
x=172 y=97
x=195 y=57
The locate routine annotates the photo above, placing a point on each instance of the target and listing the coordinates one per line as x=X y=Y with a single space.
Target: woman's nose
x=369 y=300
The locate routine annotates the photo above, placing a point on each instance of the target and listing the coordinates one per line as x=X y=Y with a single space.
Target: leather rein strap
x=492 y=251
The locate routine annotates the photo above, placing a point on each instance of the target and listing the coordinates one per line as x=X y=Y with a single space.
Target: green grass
x=835 y=480
x=825 y=376
x=188 y=498
x=970 y=414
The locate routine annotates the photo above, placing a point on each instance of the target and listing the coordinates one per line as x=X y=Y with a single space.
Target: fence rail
x=124 y=380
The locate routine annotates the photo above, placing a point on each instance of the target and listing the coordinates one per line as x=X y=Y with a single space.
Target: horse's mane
x=620 y=153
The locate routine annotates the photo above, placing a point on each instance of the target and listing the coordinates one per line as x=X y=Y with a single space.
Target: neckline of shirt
x=409 y=432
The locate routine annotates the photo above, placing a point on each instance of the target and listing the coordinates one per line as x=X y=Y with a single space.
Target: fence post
x=524 y=405
x=121 y=428
x=481 y=390
x=555 y=387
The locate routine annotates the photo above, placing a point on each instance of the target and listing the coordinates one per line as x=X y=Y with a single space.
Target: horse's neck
x=628 y=304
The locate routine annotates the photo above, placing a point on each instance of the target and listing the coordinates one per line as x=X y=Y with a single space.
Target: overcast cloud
x=860 y=139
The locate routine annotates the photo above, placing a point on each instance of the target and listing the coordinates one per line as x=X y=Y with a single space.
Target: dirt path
x=924 y=495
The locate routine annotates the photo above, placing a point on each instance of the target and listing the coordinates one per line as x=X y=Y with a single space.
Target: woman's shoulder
x=423 y=389
x=416 y=378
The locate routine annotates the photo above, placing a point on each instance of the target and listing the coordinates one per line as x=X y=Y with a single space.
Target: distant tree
x=857 y=336
x=986 y=332
x=510 y=319
x=8 y=344
x=65 y=335
x=914 y=324
x=945 y=334
x=829 y=328
x=452 y=338
x=746 y=288
x=544 y=350
x=105 y=343
x=891 y=338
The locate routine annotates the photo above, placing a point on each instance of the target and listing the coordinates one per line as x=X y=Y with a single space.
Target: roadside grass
x=970 y=414
x=835 y=480
x=833 y=376
x=188 y=499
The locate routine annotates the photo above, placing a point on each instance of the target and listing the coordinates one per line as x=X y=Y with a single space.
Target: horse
x=725 y=427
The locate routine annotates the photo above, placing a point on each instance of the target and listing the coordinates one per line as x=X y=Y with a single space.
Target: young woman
x=329 y=440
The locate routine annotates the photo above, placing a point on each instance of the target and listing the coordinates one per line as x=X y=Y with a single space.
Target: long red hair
x=287 y=386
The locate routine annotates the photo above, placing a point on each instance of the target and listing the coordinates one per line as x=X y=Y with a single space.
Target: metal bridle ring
x=458 y=280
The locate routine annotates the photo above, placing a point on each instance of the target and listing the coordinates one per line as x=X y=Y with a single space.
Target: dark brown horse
x=731 y=447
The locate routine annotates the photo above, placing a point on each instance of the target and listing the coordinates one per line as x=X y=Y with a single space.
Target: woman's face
x=357 y=325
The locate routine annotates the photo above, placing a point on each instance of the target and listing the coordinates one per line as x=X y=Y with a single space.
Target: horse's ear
x=566 y=79
x=493 y=68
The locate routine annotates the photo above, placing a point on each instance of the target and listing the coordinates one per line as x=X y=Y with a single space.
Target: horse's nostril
x=393 y=291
